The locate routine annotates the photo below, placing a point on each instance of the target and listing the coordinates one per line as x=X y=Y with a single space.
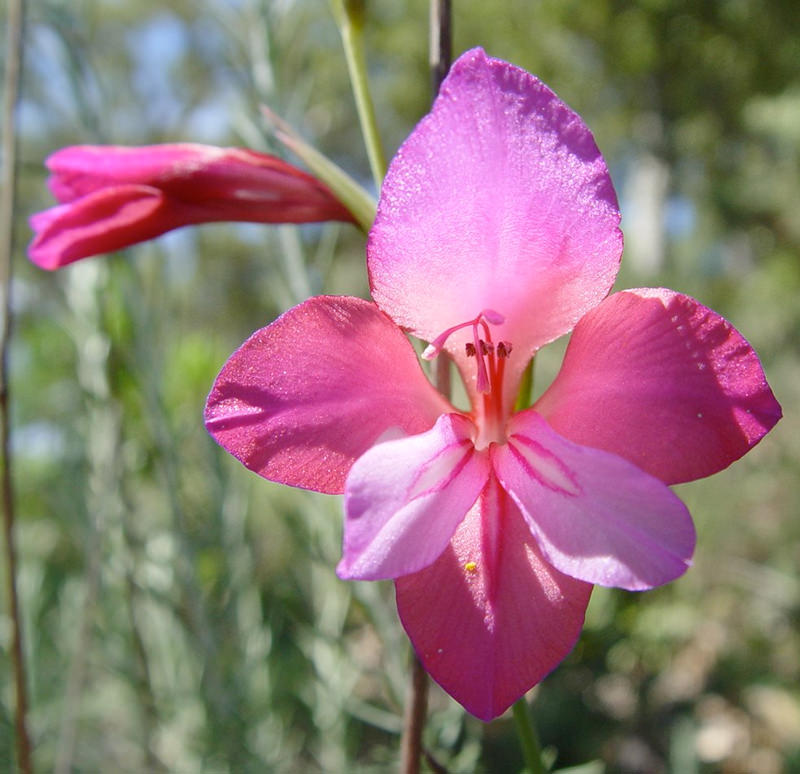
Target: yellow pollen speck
x=470 y=566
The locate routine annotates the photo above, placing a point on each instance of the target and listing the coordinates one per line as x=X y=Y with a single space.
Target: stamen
x=480 y=349
x=480 y=346
x=436 y=346
x=504 y=349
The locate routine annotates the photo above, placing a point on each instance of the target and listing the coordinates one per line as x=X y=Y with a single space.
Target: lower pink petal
x=595 y=515
x=405 y=498
x=654 y=376
x=101 y=222
x=306 y=396
x=489 y=619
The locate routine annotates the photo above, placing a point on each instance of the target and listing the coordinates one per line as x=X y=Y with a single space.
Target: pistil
x=490 y=366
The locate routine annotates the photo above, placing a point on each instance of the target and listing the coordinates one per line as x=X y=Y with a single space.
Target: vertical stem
x=414 y=718
x=416 y=704
x=7 y=191
x=528 y=738
x=350 y=18
x=441 y=44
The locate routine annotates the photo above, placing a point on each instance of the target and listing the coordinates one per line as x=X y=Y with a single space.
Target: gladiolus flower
x=113 y=197
x=497 y=231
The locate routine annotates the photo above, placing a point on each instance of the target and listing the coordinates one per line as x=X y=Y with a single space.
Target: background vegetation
x=183 y=615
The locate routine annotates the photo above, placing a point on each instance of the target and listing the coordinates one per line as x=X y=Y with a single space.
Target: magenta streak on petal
x=442 y=469
x=617 y=526
x=544 y=466
x=490 y=618
x=405 y=498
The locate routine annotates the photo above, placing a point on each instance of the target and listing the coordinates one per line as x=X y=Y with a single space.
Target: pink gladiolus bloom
x=113 y=197
x=497 y=232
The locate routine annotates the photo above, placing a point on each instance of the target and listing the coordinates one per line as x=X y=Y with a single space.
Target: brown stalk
x=416 y=704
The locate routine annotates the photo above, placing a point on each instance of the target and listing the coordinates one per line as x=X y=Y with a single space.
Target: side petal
x=306 y=396
x=656 y=377
x=499 y=199
x=106 y=220
x=490 y=618
x=405 y=498
x=596 y=516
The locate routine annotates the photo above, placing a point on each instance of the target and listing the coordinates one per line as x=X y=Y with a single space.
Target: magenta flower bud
x=113 y=197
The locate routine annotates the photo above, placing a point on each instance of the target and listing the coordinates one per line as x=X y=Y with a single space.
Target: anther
x=504 y=349
x=478 y=348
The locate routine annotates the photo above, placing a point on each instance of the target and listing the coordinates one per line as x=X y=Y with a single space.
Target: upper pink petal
x=595 y=515
x=306 y=396
x=499 y=200
x=654 y=376
x=81 y=169
x=489 y=619
x=404 y=499
x=103 y=221
x=217 y=184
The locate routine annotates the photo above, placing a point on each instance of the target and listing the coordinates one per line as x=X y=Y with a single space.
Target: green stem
x=525 y=394
x=12 y=79
x=348 y=191
x=350 y=19
x=528 y=738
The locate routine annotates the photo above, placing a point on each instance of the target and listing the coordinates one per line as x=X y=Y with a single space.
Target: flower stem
x=528 y=738
x=348 y=191
x=350 y=19
x=441 y=42
x=414 y=720
x=416 y=705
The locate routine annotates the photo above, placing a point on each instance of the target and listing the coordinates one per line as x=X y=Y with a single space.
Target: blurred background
x=183 y=615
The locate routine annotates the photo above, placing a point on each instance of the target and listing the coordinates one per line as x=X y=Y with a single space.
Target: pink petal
x=405 y=498
x=498 y=200
x=306 y=396
x=82 y=169
x=489 y=619
x=596 y=516
x=101 y=222
x=654 y=376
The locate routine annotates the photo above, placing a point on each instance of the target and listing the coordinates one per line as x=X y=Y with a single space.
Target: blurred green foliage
x=181 y=614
